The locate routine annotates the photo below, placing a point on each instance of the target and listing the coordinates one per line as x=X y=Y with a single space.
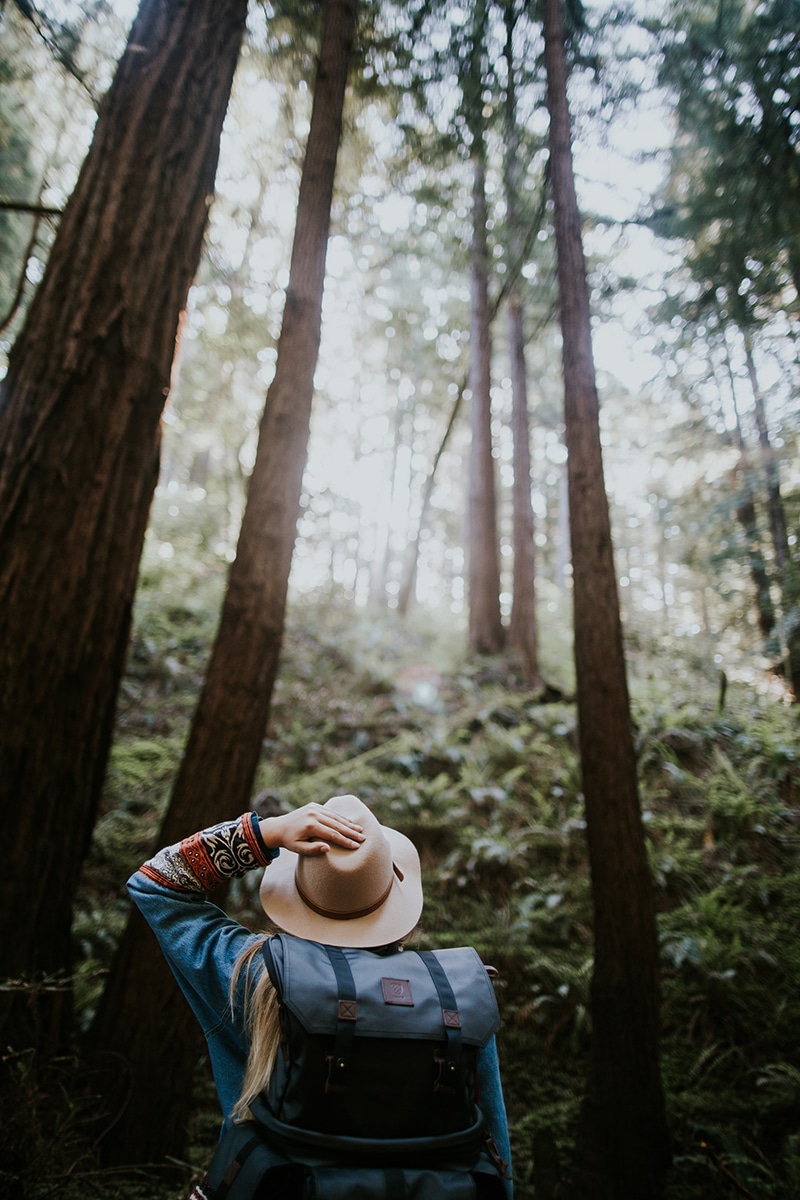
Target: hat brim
x=395 y=918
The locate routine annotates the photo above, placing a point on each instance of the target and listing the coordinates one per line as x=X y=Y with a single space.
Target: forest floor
x=483 y=775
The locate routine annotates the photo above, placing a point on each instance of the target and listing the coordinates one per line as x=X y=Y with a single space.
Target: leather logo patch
x=397 y=991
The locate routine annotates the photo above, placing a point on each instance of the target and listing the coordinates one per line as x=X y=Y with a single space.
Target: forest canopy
x=674 y=372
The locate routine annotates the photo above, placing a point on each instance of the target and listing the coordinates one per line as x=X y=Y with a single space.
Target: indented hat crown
x=367 y=896
x=346 y=884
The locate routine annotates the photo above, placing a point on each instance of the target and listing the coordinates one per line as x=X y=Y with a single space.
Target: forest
x=400 y=398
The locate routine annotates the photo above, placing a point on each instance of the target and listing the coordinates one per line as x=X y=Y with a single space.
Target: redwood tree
x=623 y=1147
x=143 y=1021
x=522 y=626
x=486 y=633
x=80 y=411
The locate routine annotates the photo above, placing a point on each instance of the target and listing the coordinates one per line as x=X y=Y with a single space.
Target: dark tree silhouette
x=486 y=633
x=522 y=626
x=142 y=1021
x=623 y=1146
x=80 y=412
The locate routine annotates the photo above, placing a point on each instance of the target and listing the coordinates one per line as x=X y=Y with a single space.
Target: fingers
x=312 y=849
x=313 y=822
x=340 y=828
x=311 y=829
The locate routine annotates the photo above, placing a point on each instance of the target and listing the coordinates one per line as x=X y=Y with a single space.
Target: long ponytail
x=262 y=1023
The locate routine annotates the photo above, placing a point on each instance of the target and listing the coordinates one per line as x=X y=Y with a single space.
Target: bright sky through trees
x=615 y=180
x=395 y=334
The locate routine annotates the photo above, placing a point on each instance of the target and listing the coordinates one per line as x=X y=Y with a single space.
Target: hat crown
x=346 y=884
x=370 y=895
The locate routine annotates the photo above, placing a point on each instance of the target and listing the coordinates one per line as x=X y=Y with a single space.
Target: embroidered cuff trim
x=203 y=861
x=264 y=853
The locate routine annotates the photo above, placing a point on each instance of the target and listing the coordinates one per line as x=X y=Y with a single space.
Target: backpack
x=373 y=1093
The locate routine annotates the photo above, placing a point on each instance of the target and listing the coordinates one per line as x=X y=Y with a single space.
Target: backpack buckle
x=447 y=1074
x=337 y=1068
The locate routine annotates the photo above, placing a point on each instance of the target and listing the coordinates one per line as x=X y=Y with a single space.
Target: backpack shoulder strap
x=234 y=1167
x=347 y=1014
x=450 y=1061
x=242 y=1160
x=269 y=963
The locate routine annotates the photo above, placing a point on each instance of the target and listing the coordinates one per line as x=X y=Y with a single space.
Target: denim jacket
x=202 y=945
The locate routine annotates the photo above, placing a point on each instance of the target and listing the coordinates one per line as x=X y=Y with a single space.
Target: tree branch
x=22 y=206
x=23 y=278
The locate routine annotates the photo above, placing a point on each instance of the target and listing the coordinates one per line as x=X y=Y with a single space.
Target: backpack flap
x=396 y=993
x=378 y=1045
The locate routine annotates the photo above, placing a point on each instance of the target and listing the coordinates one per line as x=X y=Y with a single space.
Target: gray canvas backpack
x=374 y=1095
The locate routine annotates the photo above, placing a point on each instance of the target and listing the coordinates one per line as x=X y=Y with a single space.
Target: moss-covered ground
x=483 y=775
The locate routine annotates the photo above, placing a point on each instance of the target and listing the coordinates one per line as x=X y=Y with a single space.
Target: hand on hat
x=312 y=829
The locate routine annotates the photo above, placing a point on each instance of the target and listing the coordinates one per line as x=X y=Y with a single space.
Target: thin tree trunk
x=522 y=626
x=777 y=516
x=148 y=1026
x=412 y=553
x=381 y=577
x=80 y=414
x=747 y=517
x=563 y=556
x=486 y=633
x=409 y=577
x=522 y=633
x=623 y=1145
x=22 y=280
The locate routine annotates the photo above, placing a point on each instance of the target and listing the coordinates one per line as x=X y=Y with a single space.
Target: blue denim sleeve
x=490 y=1090
x=201 y=945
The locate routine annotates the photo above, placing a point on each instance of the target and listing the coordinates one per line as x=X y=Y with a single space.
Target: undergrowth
x=483 y=775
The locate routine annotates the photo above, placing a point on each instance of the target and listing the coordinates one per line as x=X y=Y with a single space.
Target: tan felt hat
x=370 y=896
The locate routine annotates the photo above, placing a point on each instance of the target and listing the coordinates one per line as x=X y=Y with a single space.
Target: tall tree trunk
x=380 y=576
x=747 y=517
x=80 y=412
x=409 y=576
x=486 y=633
x=777 y=516
x=522 y=626
x=142 y=1019
x=522 y=633
x=623 y=1145
x=563 y=553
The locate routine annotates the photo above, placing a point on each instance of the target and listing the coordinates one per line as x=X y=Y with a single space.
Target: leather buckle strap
x=347 y=1015
x=448 y=1059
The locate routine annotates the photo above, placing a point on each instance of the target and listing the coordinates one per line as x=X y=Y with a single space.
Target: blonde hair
x=263 y=1026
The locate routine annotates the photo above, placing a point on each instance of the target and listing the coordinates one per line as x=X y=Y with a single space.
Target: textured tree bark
x=522 y=626
x=80 y=412
x=486 y=633
x=522 y=632
x=143 y=1020
x=623 y=1146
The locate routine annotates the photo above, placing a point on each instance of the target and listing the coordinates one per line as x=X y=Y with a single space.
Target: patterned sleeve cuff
x=203 y=861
